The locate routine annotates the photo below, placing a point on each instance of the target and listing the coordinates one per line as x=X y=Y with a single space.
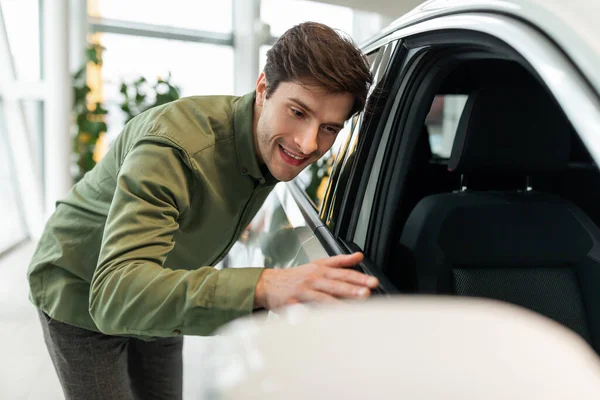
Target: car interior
x=512 y=213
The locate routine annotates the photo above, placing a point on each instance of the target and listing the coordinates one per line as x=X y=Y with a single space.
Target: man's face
x=296 y=125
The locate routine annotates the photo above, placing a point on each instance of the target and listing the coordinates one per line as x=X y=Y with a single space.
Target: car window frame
x=361 y=139
x=370 y=139
x=372 y=162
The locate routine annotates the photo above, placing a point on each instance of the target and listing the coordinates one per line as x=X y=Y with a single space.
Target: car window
x=273 y=239
x=409 y=63
x=442 y=123
x=335 y=190
x=344 y=163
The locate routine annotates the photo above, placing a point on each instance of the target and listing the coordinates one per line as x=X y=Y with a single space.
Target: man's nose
x=307 y=140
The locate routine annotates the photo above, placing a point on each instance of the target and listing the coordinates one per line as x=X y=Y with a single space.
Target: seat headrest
x=513 y=129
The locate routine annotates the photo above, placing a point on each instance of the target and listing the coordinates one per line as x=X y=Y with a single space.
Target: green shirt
x=130 y=249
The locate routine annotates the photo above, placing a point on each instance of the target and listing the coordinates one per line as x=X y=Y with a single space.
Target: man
x=122 y=269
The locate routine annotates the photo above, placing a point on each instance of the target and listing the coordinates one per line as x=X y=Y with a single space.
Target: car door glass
x=338 y=186
x=442 y=123
x=273 y=239
x=360 y=234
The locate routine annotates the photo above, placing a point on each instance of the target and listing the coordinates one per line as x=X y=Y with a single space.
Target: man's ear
x=261 y=89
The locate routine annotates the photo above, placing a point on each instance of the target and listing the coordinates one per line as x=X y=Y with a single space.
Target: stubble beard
x=263 y=139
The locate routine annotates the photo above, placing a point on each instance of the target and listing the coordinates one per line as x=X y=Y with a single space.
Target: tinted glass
x=380 y=64
x=442 y=122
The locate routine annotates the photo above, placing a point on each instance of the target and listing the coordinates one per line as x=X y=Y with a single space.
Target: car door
x=369 y=218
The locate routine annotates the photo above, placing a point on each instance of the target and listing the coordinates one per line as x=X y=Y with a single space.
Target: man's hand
x=324 y=280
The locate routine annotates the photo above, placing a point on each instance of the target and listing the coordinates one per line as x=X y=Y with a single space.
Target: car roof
x=573 y=24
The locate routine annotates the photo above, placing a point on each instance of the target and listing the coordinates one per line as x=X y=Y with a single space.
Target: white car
x=426 y=348
x=473 y=173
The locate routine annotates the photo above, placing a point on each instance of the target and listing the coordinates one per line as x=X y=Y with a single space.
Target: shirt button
x=245 y=170
x=177 y=332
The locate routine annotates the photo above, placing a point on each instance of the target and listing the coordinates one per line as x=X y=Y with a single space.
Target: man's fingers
x=341 y=289
x=336 y=270
x=323 y=281
x=351 y=276
x=341 y=261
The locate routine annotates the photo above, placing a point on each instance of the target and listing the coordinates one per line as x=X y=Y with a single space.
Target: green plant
x=140 y=95
x=89 y=118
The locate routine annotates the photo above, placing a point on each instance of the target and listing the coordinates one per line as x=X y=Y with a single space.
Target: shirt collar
x=244 y=140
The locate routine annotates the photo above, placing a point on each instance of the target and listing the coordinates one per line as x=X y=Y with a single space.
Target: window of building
x=13 y=223
x=206 y=15
x=283 y=14
x=21 y=18
x=195 y=68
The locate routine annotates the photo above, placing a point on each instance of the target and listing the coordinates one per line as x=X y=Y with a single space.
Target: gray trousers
x=94 y=366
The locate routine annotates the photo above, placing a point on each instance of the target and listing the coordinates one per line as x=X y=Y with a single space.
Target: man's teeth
x=291 y=155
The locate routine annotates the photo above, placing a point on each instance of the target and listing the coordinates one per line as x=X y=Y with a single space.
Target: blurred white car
x=473 y=173
x=403 y=348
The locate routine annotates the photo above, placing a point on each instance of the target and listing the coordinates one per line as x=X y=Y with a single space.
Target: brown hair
x=315 y=54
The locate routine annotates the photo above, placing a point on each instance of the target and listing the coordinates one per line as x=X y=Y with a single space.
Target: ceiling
x=388 y=8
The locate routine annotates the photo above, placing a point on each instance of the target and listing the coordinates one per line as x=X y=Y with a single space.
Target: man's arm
x=131 y=291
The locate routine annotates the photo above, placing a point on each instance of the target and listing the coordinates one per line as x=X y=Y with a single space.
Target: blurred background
x=73 y=72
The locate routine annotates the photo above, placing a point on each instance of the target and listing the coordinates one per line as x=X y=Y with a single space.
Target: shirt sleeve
x=131 y=292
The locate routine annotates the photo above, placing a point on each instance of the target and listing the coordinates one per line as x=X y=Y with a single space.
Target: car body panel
x=572 y=24
x=407 y=347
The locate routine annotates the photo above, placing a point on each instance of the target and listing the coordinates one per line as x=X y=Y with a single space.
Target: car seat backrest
x=521 y=246
x=510 y=129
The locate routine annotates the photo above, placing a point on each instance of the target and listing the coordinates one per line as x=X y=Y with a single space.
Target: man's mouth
x=291 y=158
x=293 y=155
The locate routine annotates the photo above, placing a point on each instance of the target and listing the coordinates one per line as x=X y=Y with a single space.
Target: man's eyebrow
x=301 y=104
x=310 y=111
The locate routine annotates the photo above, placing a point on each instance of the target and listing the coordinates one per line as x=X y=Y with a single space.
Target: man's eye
x=297 y=113
x=331 y=130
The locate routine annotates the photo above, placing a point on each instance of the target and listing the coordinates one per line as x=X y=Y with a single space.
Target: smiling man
x=125 y=265
x=297 y=125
